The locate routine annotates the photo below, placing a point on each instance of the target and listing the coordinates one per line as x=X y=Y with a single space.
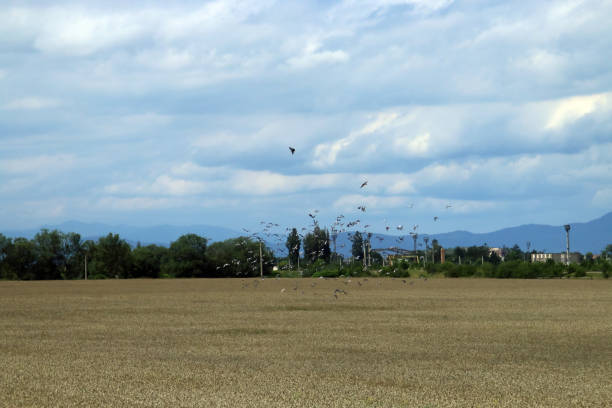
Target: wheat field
x=301 y=343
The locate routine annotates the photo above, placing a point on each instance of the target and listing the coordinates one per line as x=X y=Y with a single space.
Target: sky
x=484 y=114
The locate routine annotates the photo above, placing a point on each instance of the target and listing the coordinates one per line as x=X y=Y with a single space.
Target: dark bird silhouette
x=365 y=183
x=435 y=218
x=292 y=149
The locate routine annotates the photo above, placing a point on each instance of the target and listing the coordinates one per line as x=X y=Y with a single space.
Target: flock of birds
x=275 y=236
x=325 y=287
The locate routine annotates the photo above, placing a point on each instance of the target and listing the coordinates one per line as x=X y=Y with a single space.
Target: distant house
x=574 y=257
x=500 y=252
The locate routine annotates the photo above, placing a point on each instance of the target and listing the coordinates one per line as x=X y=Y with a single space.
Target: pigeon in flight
x=365 y=183
x=292 y=149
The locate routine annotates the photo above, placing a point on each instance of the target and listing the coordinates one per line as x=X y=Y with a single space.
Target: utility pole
x=528 y=247
x=260 y=261
x=363 y=244
x=567 y=230
x=426 y=239
x=369 y=249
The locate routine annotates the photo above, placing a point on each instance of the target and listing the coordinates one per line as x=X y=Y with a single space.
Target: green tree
x=186 y=257
x=435 y=246
x=238 y=257
x=75 y=256
x=316 y=245
x=476 y=253
x=6 y=248
x=494 y=258
x=377 y=258
x=293 y=246
x=148 y=260
x=607 y=252
x=514 y=254
x=357 y=247
x=88 y=251
x=460 y=252
x=50 y=250
x=112 y=257
x=20 y=260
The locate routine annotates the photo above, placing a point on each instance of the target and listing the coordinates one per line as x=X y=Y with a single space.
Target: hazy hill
x=159 y=234
x=588 y=236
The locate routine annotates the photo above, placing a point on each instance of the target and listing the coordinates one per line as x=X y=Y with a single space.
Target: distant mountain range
x=590 y=236
x=159 y=234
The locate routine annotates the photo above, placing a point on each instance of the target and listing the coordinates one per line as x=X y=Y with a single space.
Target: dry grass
x=215 y=343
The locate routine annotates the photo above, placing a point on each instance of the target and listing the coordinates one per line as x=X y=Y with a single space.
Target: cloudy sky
x=148 y=113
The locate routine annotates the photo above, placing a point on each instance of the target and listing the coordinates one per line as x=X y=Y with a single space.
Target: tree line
x=58 y=255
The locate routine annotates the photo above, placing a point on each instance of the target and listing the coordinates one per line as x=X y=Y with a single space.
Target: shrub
x=486 y=270
x=605 y=269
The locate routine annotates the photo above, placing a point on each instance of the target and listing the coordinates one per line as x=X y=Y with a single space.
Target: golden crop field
x=253 y=343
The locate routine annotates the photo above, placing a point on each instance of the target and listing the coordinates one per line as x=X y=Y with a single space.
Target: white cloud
x=31 y=103
x=363 y=89
x=312 y=55
x=211 y=16
x=137 y=203
x=269 y=183
x=372 y=203
x=170 y=59
x=440 y=206
x=569 y=110
x=167 y=185
x=163 y=185
x=73 y=31
x=603 y=198
x=414 y=146
x=149 y=119
x=38 y=165
x=325 y=154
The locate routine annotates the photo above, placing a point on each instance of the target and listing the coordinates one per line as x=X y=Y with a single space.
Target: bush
x=486 y=270
x=605 y=269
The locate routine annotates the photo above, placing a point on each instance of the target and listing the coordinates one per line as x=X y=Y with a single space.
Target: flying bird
x=292 y=149
x=435 y=218
x=365 y=183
